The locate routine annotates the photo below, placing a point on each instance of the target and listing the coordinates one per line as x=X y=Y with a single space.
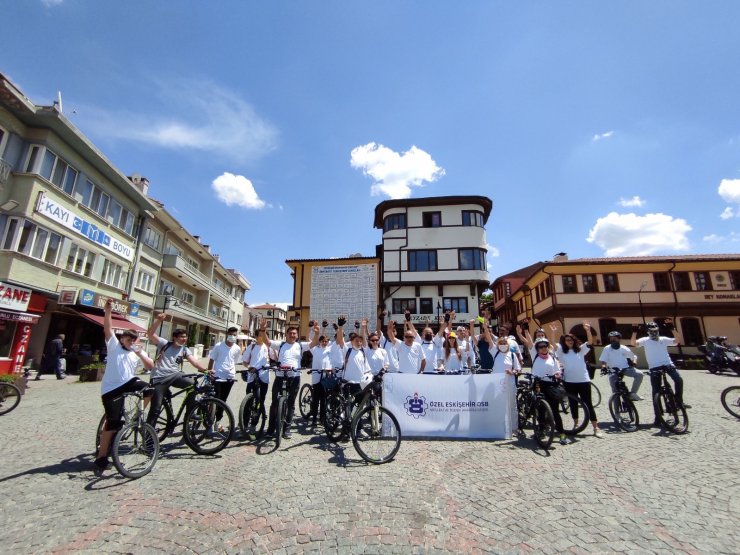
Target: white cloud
x=729 y=190
x=394 y=174
x=237 y=189
x=51 y=3
x=493 y=252
x=633 y=235
x=600 y=136
x=194 y=114
x=733 y=237
x=634 y=201
x=728 y=213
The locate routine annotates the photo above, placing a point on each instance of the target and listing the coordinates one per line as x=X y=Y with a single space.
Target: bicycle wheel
x=304 y=400
x=376 y=434
x=99 y=433
x=595 y=395
x=731 y=400
x=623 y=412
x=543 y=424
x=522 y=407
x=280 y=423
x=671 y=416
x=10 y=396
x=334 y=419
x=135 y=450
x=578 y=417
x=165 y=422
x=202 y=432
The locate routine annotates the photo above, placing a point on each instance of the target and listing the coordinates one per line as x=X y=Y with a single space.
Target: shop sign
x=91 y=298
x=19 y=317
x=79 y=225
x=13 y=297
x=20 y=347
x=68 y=296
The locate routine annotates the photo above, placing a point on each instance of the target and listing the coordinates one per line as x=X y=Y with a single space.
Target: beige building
x=276 y=319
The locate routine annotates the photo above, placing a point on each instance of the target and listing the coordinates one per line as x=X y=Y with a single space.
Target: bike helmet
x=652 y=329
x=540 y=342
x=615 y=334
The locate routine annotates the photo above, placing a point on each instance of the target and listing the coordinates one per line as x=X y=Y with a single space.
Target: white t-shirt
x=616 y=358
x=289 y=354
x=357 y=364
x=120 y=367
x=392 y=354
x=545 y=368
x=321 y=361
x=378 y=359
x=574 y=364
x=453 y=363
x=504 y=361
x=337 y=355
x=656 y=350
x=409 y=358
x=256 y=356
x=432 y=352
x=225 y=358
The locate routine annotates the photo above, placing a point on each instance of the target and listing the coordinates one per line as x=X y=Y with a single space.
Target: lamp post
x=167 y=293
x=639 y=300
x=439 y=307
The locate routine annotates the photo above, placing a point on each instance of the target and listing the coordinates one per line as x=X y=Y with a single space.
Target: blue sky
x=272 y=129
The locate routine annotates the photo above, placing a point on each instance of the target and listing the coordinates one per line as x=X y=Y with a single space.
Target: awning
x=120 y=324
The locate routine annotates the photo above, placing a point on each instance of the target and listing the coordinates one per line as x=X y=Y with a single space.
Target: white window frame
x=145 y=281
x=113 y=274
x=87 y=260
x=3 y=141
x=151 y=232
x=33 y=244
x=187 y=296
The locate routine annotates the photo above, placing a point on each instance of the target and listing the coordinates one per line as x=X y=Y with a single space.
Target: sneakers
x=287 y=434
x=598 y=433
x=563 y=439
x=100 y=465
x=635 y=397
x=684 y=405
x=61 y=376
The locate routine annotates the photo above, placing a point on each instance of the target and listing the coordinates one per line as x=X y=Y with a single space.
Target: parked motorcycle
x=720 y=356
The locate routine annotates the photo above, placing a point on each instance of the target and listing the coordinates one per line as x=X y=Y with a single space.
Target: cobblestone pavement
x=643 y=492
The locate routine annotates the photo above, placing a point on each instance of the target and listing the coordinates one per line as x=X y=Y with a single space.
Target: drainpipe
x=675 y=307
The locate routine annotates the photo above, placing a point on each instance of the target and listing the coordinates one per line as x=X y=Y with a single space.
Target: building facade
x=700 y=293
x=276 y=319
x=433 y=256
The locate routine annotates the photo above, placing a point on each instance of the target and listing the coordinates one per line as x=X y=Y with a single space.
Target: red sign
x=20 y=346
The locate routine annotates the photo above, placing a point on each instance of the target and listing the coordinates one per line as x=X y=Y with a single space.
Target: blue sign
x=87 y=297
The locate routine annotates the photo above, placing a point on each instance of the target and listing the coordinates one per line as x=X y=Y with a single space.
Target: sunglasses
x=408 y=336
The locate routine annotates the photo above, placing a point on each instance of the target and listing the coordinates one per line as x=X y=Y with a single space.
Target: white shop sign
x=467 y=406
x=13 y=297
x=79 y=225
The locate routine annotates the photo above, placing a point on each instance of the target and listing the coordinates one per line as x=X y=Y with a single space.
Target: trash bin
x=198 y=350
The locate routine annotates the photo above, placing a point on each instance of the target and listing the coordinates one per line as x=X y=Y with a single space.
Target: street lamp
x=167 y=293
x=639 y=300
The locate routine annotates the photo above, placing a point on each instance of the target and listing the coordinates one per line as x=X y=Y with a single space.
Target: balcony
x=5 y=170
x=178 y=264
x=184 y=309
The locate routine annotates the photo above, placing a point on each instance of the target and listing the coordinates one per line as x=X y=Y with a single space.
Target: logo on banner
x=416 y=406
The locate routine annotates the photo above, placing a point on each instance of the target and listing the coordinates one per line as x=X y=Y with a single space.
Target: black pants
x=318 y=402
x=293 y=384
x=113 y=403
x=161 y=387
x=656 y=380
x=583 y=391
x=554 y=406
x=222 y=392
x=260 y=387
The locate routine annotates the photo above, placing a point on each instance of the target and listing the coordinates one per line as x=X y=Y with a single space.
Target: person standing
x=167 y=371
x=222 y=364
x=119 y=378
x=257 y=360
x=410 y=356
x=506 y=363
x=546 y=367
x=619 y=356
x=52 y=358
x=321 y=363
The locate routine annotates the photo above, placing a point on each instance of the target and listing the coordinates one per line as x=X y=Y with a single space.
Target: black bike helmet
x=615 y=334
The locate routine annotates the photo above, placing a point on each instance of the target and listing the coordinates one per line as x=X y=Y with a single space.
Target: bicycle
x=531 y=403
x=374 y=430
x=730 y=398
x=572 y=404
x=135 y=447
x=623 y=410
x=10 y=396
x=281 y=411
x=671 y=415
x=200 y=431
x=305 y=397
x=252 y=413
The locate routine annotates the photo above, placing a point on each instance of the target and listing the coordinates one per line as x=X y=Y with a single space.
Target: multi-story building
x=700 y=293
x=276 y=319
x=69 y=224
x=433 y=255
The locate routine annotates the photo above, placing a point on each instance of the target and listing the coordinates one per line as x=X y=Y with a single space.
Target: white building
x=433 y=256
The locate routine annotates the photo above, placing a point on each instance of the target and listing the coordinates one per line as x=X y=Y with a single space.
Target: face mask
x=503 y=348
x=428 y=336
x=616 y=344
x=231 y=338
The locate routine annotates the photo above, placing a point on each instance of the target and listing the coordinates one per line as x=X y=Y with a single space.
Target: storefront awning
x=120 y=324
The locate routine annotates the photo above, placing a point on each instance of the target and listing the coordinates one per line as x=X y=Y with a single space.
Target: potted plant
x=92 y=372
x=18 y=380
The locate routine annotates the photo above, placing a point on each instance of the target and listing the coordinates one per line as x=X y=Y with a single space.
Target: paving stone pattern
x=644 y=492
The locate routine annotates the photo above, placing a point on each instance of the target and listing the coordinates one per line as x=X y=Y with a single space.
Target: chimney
x=142 y=183
x=560 y=257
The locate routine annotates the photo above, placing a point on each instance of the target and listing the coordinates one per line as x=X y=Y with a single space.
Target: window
x=113 y=274
x=193 y=264
x=735 y=280
x=472 y=217
x=431 y=219
x=422 y=261
x=99 y=202
x=166 y=288
x=394 y=221
x=662 y=281
x=402 y=305
x=83 y=192
x=114 y=212
x=172 y=249
x=611 y=283
x=458 y=304
x=426 y=306
x=187 y=297
x=703 y=281
x=52 y=168
x=681 y=281
x=471 y=259
x=80 y=261
x=33 y=240
x=145 y=281
x=589 y=283
x=9 y=238
x=569 y=284
x=3 y=140
x=691 y=331
x=152 y=238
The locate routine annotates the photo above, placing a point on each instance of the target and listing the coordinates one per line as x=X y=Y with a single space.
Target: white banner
x=469 y=406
